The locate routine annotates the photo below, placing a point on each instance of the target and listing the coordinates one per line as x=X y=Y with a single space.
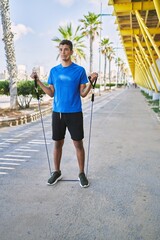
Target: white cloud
x=20 y=30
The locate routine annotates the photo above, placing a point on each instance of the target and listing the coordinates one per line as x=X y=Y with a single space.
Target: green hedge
x=146 y=95
x=110 y=85
x=155 y=104
x=25 y=91
x=4 y=87
x=26 y=88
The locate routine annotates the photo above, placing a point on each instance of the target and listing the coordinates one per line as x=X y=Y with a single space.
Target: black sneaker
x=83 y=181
x=56 y=176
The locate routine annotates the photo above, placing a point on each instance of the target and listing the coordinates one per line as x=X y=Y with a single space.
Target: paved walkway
x=126 y=174
x=123 y=200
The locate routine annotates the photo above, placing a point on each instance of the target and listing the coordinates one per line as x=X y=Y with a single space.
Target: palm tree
x=9 y=51
x=105 y=49
x=91 y=25
x=76 y=38
x=110 y=56
x=118 y=62
x=125 y=75
x=122 y=69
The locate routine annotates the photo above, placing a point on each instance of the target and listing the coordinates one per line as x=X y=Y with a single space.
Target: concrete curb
x=26 y=118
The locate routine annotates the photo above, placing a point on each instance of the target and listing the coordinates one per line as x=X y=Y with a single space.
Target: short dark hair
x=67 y=42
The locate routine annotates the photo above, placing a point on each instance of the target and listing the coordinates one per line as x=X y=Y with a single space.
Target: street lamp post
x=100 y=35
x=100 y=32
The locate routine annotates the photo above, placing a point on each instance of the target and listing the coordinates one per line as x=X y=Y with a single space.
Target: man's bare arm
x=85 y=88
x=49 y=90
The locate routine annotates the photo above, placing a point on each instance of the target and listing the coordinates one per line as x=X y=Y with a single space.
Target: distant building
x=4 y=75
x=21 y=72
x=23 y=75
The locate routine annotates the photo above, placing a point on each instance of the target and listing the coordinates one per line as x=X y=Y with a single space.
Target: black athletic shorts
x=72 y=121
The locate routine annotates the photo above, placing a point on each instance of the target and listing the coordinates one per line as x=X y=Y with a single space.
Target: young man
x=67 y=84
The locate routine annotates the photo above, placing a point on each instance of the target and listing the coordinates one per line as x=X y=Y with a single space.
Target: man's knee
x=78 y=145
x=58 y=144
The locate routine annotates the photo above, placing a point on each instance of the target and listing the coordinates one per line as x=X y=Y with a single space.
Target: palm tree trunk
x=105 y=68
x=109 y=74
x=10 y=52
x=117 y=80
x=91 y=55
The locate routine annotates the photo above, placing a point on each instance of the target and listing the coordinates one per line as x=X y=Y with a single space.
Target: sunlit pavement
x=122 y=202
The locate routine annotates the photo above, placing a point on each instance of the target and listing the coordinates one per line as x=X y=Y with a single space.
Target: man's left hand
x=93 y=77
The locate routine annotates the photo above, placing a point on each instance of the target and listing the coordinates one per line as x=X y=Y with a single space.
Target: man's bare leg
x=81 y=160
x=80 y=154
x=57 y=154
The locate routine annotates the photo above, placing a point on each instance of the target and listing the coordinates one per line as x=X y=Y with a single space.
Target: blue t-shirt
x=66 y=82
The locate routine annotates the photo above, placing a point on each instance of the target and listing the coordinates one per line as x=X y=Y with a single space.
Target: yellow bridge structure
x=139 y=26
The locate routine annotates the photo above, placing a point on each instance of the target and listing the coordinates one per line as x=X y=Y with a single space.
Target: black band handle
x=35 y=82
x=36 y=87
x=93 y=84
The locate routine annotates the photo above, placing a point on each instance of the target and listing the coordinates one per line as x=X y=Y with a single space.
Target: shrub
x=155 y=104
x=146 y=94
x=120 y=85
x=26 y=91
x=4 y=87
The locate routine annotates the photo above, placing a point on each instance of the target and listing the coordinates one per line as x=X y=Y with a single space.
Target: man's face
x=65 y=52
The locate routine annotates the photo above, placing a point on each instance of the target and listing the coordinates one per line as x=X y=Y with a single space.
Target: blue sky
x=36 y=22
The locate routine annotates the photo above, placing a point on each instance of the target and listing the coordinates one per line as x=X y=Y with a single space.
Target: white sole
x=51 y=184
x=85 y=186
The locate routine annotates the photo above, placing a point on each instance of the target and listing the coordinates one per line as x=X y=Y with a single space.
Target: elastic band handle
x=36 y=87
x=93 y=84
x=35 y=82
